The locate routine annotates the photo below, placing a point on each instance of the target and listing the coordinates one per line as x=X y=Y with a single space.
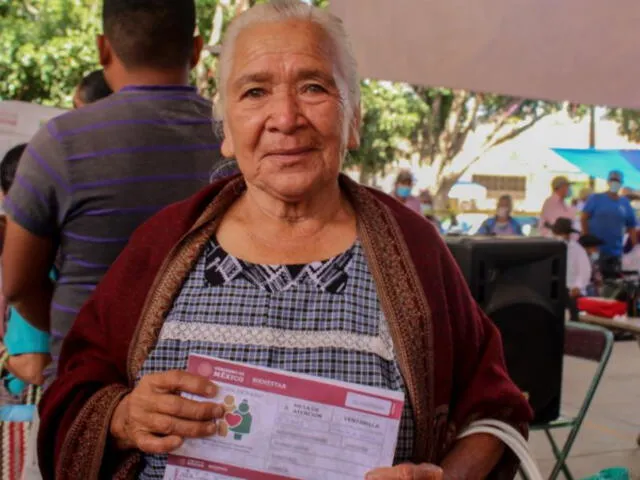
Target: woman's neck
x=303 y=216
x=262 y=228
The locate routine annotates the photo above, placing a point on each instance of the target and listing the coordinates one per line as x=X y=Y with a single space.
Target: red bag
x=602 y=307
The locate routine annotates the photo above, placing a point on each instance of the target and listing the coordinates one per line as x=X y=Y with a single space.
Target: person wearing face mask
x=402 y=191
x=578 y=263
x=607 y=216
x=556 y=205
x=503 y=224
x=426 y=208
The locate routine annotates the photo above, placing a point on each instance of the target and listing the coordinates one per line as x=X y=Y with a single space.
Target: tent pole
x=592 y=139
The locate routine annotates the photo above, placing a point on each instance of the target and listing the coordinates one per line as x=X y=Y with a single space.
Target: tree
x=390 y=113
x=629 y=122
x=46 y=47
x=448 y=119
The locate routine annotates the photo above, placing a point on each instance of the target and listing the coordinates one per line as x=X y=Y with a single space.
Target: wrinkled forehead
x=282 y=48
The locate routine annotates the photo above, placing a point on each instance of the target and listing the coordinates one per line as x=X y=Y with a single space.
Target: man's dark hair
x=9 y=166
x=151 y=33
x=93 y=87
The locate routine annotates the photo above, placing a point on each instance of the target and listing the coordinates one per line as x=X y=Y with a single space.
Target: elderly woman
x=291 y=266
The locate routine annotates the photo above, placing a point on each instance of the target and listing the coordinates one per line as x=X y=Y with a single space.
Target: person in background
x=426 y=207
x=502 y=224
x=581 y=201
x=90 y=177
x=556 y=205
x=91 y=88
x=402 y=191
x=26 y=346
x=578 y=263
x=592 y=245
x=607 y=216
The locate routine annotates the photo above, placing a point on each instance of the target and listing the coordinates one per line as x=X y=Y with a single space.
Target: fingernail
x=211 y=390
x=211 y=428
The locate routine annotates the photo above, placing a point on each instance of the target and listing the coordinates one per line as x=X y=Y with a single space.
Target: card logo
x=236 y=420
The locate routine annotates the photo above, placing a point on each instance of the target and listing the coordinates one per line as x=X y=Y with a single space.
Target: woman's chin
x=294 y=187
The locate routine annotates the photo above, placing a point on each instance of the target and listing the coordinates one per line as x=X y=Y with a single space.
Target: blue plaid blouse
x=321 y=319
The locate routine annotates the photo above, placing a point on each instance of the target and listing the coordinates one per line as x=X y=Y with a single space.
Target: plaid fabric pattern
x=285 y=304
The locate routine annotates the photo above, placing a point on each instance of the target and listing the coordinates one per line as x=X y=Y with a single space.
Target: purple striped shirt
x=90 y=177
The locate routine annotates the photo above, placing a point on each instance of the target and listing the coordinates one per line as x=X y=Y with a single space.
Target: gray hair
x=282 y=10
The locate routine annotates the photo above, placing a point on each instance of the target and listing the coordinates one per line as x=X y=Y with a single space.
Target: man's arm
x=584 y=221
x=633 y=236
x=631 y=224
x=37 y=201
x=26 y=263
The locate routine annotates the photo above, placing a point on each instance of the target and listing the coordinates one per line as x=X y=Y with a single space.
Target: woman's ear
x=227 y=148
x=353 y=140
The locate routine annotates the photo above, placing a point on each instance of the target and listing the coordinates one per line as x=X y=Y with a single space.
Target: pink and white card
x=280 y=425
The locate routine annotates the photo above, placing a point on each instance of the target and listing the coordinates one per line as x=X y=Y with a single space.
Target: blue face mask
x=614 y=186
x=595 y=256
x=403 y=191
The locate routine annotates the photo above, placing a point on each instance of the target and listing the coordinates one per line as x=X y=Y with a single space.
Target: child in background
x=26 y=346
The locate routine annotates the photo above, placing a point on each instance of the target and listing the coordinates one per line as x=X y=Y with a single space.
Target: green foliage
x=46 y=47
x=390 y=113
x=629 y=122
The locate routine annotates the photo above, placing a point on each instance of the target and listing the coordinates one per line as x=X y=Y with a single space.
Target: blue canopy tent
x=598 y=163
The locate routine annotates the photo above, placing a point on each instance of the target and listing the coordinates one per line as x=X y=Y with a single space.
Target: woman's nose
x=285 y=115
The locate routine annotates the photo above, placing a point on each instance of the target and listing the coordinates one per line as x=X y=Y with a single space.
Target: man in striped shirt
x=89 y=178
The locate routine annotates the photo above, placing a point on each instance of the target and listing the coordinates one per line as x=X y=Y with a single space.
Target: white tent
x=578 y=50
x=19 y=121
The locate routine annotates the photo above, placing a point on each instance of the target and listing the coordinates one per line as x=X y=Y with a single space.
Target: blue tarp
x=598 y=163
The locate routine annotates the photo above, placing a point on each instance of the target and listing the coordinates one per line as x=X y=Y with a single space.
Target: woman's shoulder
x=173 y=221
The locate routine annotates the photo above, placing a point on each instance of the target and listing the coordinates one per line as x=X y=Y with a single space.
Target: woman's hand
x=155 y=419
x=407 y=471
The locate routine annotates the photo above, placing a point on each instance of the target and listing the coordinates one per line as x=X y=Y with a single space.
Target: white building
x=525 y=166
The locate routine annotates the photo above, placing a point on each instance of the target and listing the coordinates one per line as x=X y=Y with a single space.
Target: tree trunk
x=365 y=175
x=441 y=196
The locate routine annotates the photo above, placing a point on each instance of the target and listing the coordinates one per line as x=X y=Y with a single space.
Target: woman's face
x=285 y=119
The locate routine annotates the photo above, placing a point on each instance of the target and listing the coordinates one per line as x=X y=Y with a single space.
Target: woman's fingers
x=166 y=425
x=407 y=471
x=177 y=381
x=155 y=445
x=176 y=406
x=156 y=419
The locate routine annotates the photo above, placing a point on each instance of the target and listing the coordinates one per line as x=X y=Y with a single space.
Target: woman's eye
x=253 y=93
x=314 y=88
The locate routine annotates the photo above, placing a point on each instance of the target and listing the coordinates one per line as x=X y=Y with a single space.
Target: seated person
x=591 y=244
x=502 y=224
x=426 y=207
x=27 y=347
x=578 y=263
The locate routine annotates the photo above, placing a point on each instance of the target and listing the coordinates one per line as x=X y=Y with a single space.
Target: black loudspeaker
x=520 y=283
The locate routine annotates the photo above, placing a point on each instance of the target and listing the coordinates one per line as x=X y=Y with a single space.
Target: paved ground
x=608 y=436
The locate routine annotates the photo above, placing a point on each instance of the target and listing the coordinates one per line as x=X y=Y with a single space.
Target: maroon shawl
x=449 y=352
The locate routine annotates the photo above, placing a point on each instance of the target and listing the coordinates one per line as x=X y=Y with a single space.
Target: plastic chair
x=587 y=342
